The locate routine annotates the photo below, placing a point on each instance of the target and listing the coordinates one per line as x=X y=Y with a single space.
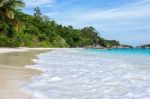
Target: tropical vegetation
x=20 y=29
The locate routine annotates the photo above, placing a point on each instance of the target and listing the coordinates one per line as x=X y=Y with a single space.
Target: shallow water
x=91 y=74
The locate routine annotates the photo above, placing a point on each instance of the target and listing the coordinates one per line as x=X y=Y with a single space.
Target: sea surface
x=91 y=74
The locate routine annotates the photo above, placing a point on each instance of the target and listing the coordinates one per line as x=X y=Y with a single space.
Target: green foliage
x=59 y=42
x=8 y=42
x=9 y=10
x=41 y=31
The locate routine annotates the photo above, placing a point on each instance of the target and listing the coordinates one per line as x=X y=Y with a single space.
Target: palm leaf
x=10 y=14
x=14 y=3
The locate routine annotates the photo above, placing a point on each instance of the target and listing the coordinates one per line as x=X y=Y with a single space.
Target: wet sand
x=13 y=74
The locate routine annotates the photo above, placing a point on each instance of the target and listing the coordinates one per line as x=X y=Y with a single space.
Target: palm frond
x=19 y=3
x=8 y=10
x=10 y=14
x=14 y=3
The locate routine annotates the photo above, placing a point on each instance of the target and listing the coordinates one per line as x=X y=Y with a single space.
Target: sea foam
x=76 y=74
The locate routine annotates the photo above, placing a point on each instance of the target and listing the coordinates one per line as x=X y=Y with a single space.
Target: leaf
x=10 y=14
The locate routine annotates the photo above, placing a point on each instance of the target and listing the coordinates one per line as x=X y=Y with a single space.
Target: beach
x=14 y=74
x=75 y=73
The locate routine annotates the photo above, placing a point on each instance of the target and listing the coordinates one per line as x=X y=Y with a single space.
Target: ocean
x=91 y=74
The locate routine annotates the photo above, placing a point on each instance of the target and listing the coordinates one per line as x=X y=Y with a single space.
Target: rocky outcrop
x=123 y=46
x=144 y=46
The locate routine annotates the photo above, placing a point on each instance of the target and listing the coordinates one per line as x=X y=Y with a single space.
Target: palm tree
x=8 y=11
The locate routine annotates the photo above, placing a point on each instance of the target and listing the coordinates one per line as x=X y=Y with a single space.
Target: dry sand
x=13 y=74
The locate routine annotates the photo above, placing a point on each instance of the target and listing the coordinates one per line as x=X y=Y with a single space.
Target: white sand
x=20 y=49
x=13 y=74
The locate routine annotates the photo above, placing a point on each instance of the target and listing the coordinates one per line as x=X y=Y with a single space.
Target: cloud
x=35 y=3
x=138 y=10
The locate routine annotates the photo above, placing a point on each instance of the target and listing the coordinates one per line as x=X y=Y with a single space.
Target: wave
x=76 y=74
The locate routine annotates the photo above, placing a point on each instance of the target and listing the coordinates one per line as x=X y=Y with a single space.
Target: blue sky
x=125 y=20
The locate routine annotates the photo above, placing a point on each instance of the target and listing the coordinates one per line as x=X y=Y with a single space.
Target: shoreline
x=63 y=69
x=20 y=85
x=13 y=72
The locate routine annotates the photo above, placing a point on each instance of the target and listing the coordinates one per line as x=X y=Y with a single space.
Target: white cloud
x=130 y=12
x=35 y=3
x=127 y=17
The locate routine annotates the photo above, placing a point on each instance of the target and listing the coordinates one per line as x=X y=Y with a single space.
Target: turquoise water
x=123 y=51
x=91 y=74
x=134 y=56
